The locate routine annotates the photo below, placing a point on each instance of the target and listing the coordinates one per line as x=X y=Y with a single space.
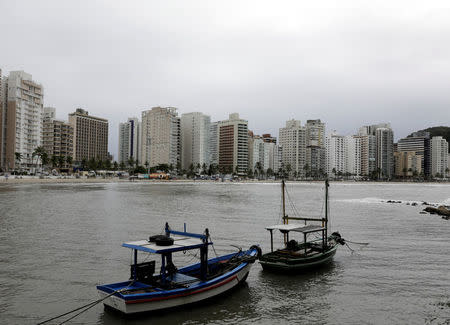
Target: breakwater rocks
x=431 y=208
x=442 y=211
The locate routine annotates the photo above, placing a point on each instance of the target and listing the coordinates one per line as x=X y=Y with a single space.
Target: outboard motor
x=338 y=238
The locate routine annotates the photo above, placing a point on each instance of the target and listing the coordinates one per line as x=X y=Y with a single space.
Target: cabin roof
x=181 y=243
x=296 y=227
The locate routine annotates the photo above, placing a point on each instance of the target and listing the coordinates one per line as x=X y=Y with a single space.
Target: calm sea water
x=58 y=241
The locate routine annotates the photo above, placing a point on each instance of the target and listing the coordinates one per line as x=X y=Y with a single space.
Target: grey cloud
x=348 y=62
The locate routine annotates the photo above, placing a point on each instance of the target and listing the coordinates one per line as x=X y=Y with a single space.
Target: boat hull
x=159 y=300
x=296 y=264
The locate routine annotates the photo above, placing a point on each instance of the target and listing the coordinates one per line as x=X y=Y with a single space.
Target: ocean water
x=58 y=241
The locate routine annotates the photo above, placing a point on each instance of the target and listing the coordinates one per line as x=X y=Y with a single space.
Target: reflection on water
x=58 y=241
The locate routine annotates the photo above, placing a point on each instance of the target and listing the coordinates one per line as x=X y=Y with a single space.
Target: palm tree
x=204 y=168
x=61 y=160
x=69 y=161
x=446 y=171
x=115 y=165
x=44 y=158
x=18 y=157
x=146 y=165
x=54 y=160
x=130 y=162
x=37 y=153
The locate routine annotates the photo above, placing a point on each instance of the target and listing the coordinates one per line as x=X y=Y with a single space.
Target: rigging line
x=87 y=306
x=357 y=243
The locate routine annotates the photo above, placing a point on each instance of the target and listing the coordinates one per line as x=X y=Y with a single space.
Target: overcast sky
x=348 y=63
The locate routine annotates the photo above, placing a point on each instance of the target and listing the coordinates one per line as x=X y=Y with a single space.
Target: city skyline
x=348 y=66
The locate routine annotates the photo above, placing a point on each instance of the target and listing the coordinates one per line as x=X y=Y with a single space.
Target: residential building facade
x=161 y=137
x=195 y=138
x=293 y=141
x=90 y=136
x=384 y=138
x=57 y=140
x=21 y=120
x=419 y=143
x=233 y=145
x=214 y=143
x=336 y=154
x=129 y=141
x=439 y=156
x=407 y=163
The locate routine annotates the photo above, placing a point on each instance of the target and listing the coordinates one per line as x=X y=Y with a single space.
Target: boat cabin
x=165 y=246
x=292 y=245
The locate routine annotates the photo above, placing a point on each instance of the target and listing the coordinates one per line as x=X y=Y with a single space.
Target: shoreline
x=36 y=180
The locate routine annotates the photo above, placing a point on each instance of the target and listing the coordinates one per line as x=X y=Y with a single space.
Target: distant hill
x=435 y=131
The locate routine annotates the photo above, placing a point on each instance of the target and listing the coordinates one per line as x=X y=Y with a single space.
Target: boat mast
x=285 y=221
x=326 y=211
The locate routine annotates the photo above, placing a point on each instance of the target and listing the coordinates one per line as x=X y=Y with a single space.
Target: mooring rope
x=84 y=308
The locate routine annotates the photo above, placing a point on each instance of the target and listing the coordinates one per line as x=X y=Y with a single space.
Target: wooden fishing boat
x=309 y=253
x=146 y=291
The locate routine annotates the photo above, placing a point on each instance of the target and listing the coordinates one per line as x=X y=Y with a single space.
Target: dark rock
x=414 y=204
x=442 y=211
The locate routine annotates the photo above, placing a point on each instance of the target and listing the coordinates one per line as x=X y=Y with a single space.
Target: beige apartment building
x=407 y=163
x=160 y=143
x=21 y=117
x=57 y=139
x=90 y=136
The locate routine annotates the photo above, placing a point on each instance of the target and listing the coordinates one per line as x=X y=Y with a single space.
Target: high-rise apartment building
x=407 y=163
x=315 y=133
x=355 y=151
x=233 y=144
x=129 y=141
x=2 y=122
x=57 y=139
x=384 y=138
x=90 y=136
x=316 y=160
x=20 y=120
x=439 y=156
x=49 y=114
x=195 y=137
x=255 y=152
x=160 y=141
x=380 y=149
x=293 y=141
x=336 y=154
x=214 y=143
x=419 y=142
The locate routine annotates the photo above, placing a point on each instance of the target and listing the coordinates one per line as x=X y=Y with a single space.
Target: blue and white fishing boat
x=149 y=291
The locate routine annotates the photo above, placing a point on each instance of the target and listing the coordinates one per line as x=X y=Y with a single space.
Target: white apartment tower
x=160 y=141
x=336 y=154
x=213 y=144
x=20 y=119
x=355 y=150
x=439 y=156
x=129 y=141
x=195 y=128
x=293 y=141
